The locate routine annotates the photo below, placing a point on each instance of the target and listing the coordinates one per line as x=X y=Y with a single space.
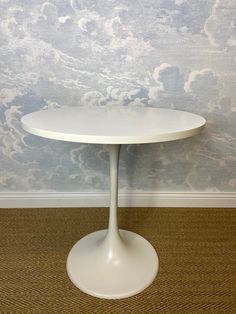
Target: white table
x=113 y=263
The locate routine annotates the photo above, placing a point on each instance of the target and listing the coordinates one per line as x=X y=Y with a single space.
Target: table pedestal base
x=112 y=267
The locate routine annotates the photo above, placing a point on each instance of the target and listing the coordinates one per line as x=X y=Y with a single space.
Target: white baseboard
x=128 y=199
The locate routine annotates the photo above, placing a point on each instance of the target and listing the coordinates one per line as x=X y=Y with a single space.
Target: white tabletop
x=113 y=125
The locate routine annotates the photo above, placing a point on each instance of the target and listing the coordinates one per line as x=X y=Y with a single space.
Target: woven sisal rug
x=196 y=248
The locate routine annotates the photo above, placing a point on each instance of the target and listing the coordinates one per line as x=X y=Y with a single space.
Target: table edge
x=93 y=139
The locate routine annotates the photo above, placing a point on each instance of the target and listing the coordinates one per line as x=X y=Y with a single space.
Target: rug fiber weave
x=196 y=248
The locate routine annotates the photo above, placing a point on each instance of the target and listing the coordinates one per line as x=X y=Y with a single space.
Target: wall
x=163 y=53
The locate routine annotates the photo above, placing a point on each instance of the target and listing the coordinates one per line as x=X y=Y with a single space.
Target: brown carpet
x=196 y=248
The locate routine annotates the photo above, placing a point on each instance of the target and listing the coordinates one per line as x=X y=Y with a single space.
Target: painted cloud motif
x=173 y=54
x=220 y=27
x=202 y=85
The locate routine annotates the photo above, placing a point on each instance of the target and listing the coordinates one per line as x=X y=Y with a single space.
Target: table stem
x=113 y=230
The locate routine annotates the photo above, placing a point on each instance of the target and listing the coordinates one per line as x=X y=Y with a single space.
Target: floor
x=196 y=248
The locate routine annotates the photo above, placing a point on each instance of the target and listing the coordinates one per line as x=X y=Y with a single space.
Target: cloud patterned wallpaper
x=162 y=53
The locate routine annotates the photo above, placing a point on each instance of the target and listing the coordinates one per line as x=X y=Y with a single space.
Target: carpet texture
x=196 y=248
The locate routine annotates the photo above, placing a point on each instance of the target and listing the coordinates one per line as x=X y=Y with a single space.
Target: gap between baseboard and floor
x=126 y=199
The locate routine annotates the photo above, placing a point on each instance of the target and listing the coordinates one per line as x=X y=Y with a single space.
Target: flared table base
x=112 y=269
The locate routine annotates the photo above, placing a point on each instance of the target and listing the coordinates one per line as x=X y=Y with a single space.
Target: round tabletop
x=113 y=125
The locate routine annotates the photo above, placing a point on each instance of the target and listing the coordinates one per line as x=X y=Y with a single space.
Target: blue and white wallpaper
x=161 y=53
